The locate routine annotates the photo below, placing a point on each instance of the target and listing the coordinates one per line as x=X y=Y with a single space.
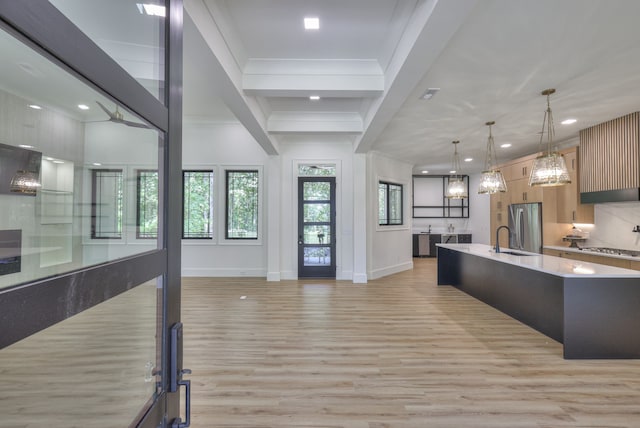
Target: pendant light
x=25 y=182
x=549 y=169
x=491 y=179
x=456 y=189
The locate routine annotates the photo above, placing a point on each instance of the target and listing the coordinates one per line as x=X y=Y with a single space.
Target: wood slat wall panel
x=610 y=155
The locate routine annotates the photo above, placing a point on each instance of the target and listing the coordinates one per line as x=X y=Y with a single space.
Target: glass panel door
x=316 y=227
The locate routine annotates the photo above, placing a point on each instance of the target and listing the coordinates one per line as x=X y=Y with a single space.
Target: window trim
x=138 y=177
x=212 y=204
x=387 y=207
x=257 y=240
x=92 y=234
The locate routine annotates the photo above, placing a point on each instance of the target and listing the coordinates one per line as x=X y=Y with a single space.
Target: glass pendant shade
x=492 y=182
x=549 y=169
x=24 y=182
x=491 y=179
x=456 y=188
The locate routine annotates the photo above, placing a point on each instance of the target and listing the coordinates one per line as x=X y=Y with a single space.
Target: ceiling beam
x=430 y=29
x=226 y=74
x=324 y=77
x=315 y=122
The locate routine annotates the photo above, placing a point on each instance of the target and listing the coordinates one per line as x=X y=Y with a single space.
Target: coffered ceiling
x=371 y=60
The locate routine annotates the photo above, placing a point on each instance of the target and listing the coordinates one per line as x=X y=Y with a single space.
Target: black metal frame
x=94 y=202
x=31 y=307
x=210 y=171
x=226 y=205
x=446 y=206
x=138 y=210
x=316 y=271
x=387 y=207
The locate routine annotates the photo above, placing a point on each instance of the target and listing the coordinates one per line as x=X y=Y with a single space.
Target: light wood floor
x=397 y=352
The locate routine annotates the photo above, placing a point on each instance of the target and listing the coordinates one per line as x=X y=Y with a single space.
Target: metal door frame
x=316 y=271
x=45 y=29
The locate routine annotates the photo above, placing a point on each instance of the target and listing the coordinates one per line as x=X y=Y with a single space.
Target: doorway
x=316 y=227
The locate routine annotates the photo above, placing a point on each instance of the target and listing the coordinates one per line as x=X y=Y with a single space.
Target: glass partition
x=69 y=164
x=96 y=369
x=130 y=32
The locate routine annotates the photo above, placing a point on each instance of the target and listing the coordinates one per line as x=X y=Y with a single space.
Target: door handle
x=300 y=240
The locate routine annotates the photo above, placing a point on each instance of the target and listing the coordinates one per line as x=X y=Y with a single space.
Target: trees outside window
x=242 y=204
x=197 y=204
x=147 y=204
x=389 y=204
x=107 y=197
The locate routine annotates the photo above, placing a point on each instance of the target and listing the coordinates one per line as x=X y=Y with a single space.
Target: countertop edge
x=554 y=265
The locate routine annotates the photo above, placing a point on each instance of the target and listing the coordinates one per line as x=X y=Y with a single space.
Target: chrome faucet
x=498 y=236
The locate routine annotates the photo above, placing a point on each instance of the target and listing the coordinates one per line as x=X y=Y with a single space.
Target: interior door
x=316 y=227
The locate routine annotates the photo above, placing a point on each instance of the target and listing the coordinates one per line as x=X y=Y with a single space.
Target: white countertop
x=591 y=253
x=550 y=264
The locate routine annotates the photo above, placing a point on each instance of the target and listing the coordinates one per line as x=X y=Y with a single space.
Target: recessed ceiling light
x=429 y=93
x=48 y=158
x=505 y=145
x=151 y=9
x=425 y=172
x=452 y=172
x=83 y=107
x=569 y=121
x=314 y=97
x=25 y=146
x=468 y=159
x=58 y=161
x=35 y=106
x=96 y=164
x=312 y=23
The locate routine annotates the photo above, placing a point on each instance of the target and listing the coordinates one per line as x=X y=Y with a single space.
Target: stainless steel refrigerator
x=525 y=222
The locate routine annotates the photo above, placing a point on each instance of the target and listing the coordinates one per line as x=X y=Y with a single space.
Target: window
x=197 y=205
x=106 y=203
x=389 y=203
x=147 y=204
x=328 y=170
x=242 y=205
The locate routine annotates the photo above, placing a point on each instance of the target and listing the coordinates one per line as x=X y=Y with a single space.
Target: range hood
x=610 y=161
x=621 y=195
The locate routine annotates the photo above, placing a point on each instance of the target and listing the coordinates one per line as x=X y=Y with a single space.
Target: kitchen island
x=592 y=309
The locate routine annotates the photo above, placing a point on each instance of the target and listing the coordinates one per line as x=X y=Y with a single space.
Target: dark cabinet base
x=591 y=317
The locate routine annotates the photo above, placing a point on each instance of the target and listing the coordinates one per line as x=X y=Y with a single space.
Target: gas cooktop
x=612 y=251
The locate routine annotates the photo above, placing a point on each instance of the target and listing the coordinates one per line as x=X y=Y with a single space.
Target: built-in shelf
x=429 y=199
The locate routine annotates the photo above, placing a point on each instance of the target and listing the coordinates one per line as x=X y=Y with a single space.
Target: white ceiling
x=251 y=61
x=372 y=59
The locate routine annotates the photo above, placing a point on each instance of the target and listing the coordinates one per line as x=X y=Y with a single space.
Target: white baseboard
x=224 y=272
x=273 y=276
x=360 y=278
x=390 y=270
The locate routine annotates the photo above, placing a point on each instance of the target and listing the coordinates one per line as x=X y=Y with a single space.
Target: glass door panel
x=95 y=369
x=316 y=227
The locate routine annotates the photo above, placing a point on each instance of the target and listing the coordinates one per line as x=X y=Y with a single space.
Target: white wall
x=390 y=247
x=56 y=135
x=613 y=226
x=297 y=151
x=477 y=224
x=120 y=147
x=219 y=146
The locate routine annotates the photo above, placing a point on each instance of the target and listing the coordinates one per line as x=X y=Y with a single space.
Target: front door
x=316 y=227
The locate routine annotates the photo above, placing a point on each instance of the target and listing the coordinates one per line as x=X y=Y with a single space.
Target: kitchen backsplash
x=614 y=224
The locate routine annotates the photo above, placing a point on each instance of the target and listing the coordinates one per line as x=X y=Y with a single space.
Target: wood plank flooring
x=397 y=352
